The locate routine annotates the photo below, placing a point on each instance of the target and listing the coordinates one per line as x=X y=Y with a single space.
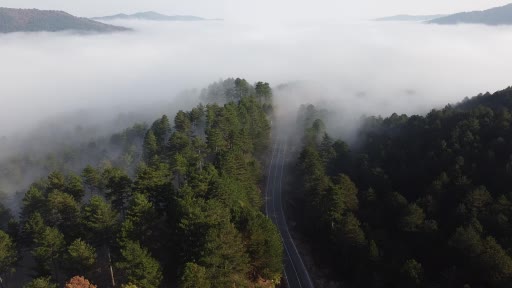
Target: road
x=296 y=274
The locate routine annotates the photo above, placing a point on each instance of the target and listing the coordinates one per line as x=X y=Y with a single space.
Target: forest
x=417 y=201
x=177 y=205
x=414 y=201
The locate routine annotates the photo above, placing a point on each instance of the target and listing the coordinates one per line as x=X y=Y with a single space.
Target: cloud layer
x=357 y=67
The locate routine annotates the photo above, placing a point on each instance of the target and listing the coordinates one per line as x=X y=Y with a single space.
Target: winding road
x=295 y=272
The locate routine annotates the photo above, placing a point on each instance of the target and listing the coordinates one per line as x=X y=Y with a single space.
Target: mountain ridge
x=494 y=16
x=35 y=20
x=406 y=17
x=150 y=15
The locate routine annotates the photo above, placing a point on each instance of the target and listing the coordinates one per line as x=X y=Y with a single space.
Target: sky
x=263 y=10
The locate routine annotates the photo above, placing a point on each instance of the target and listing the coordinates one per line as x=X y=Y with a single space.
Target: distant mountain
x=495 y=16
x=411 y=18
x=33 y=20
x=150 y=15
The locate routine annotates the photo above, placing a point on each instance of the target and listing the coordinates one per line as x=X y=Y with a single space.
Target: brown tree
x=79 y=282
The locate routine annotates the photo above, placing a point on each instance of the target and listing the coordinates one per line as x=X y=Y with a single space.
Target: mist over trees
x=416 y=201
x=109 y=177
x=180 y=205
x=420 y=201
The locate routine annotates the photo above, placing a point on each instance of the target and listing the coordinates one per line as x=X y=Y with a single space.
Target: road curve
x=296 y=274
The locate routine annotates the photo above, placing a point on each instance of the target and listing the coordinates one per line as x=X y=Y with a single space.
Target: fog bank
x=356 y=68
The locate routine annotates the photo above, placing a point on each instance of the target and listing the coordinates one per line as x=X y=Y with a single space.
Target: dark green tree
x=118 y=185
x=74 y=187
x=99 y=220
x=411 y=274
x=138 y=267
x=80 y=257
x=91 y=178
x=150 y=146
x=194 y=276
x=8 y=254
x=49 y=250
x=41 y=282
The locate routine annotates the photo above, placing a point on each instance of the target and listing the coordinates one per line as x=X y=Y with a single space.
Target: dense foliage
x=188 y=214
x=421 y=201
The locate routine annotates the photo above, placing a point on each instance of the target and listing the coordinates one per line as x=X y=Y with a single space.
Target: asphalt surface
x=296 y=274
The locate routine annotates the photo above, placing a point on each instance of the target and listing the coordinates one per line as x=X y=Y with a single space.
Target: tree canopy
x=181 y=204
x=417 y=201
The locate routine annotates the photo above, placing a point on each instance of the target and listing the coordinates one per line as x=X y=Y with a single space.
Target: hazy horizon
x=247 y=11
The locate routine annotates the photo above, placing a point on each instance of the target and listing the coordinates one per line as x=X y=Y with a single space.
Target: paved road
x=296 y=274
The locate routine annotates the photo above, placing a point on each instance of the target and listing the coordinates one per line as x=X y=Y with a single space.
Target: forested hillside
x=34 y=20
x=421 y=201
x=183 y=211
x=149 y=15
x=494 y=16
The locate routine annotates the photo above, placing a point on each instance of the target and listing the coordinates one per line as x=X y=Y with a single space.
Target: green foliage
x=99 y=219
x=34 y=226
x=8 y=254
x=118 y=185
x=63 y=212
x=495 y=263
x=56 y=181
x=80 y=257
x=161 y=128
x=413 y=219
x=194 y=276
x=225 y=258
x=263 y=92
x=140 y=220
x=265 y=247
x=74 y=187
x=34 y=200
x=189 y=196
x=138 y=267
x=150 y=146
x=49 y=249
x=350 y=232
x=155 y=182
x=41 y=282
x=411 y=274
x=182 y=122
x=429 y=204
x=92 y=177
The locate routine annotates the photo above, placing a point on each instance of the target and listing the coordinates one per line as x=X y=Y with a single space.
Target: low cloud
x=353 y=68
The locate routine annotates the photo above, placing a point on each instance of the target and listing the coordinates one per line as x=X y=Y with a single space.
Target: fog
x=53 y=82
x=358 y=67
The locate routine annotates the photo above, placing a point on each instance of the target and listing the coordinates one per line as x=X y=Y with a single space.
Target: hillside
x=33 y=20
x=421 y=201
x=410 y=17
x=495 y=16
x=150 y=15
x=175 y=202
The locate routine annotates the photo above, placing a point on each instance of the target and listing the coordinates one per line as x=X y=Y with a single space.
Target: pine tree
x=80 y=257
x=118 y=185
x=138 y=267
x=41 y=282
x=49 y=250
x=194 y=276
x=8 y=254
x=150 y=147
x=99 y=220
